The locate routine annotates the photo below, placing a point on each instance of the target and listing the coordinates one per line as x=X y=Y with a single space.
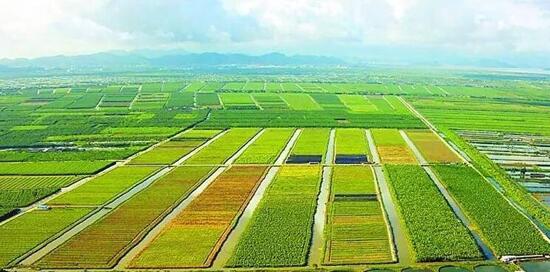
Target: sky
x=344 y=28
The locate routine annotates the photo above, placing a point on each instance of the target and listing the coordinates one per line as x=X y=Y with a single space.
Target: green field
x=280 y=229
x=266 y=149
x=442 y=237
x=127 y=158
x=357 y=231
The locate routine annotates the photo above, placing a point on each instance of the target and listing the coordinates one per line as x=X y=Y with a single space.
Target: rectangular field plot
x=194 y=237
x=356 y=230
x=181 y=100
x=103 y=188
x=434 y=231
x=328 y=101
x=254 y=86
x=298 y=101
x=197 y=134
x=507 y=231
x=208 y=100
x=270 y=101
x=222 y=148
x=351 y=146
x=357 y=103
x=273 y=87
x=238 y=101
x=150 y=101
x=127 y=224
x=117 y=100
x=53 y=167
x=169 y=152
x=431 y=147
x=87 y=101
x=233 y=86
x=267 y=147
x=19 y=191
x=166 y=153
x=29 y=230
x=311 y=146
x=279 y=233
x=391 y=147
x=380 y=103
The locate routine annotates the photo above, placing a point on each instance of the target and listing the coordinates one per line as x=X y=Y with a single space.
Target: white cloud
x=46 y=27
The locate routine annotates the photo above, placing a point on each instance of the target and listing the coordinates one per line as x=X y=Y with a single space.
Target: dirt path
x=317 y=246
x=77 y=184
x=109 y=206
x=544 y=231
x=157 y=229
x=230 y=243
x=450 y=200
x=401 y=247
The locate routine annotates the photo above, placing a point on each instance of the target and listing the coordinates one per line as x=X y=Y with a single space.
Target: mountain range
x=172 y=60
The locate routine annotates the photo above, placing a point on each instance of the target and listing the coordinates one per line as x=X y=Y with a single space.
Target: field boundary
x=317 y=247
x=538 y=225
x=451 y=202
x=229 y=246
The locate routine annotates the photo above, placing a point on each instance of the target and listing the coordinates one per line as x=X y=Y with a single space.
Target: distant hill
x=137 y=59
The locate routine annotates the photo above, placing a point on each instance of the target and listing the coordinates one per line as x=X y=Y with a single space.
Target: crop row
x=431 y=147
x=31 y=182
x=200 y=134
x=171 y=151
x=27 y=231
x=506 y=230
x=391 y=147
x=19 y=191
x=53 y=167
x=279 y=232
x=222 y=148
x=123 y=227
x=267 y=147
x=103 y=188
x=194 y=237
x=356 y=231
x=308 y=118
x=435 y=232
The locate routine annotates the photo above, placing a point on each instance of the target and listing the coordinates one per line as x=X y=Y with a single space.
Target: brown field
x=194 y=237
x=396 y=154
x=431 y=147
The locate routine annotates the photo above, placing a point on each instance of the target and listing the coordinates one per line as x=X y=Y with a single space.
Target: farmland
x=280 y=230
x=443 y=237
x=174 y=170
x=431 y=147
x=101 y=189
x=266 y=149
x=124 y=224
x=502 y=225
x=391 y=147
x=222 y=148
x=204 y=223
x=357 y=231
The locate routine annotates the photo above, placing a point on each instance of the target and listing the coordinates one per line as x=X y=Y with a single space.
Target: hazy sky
x=30 y=28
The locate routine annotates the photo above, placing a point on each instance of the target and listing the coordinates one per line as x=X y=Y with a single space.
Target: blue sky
x=346 y=28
